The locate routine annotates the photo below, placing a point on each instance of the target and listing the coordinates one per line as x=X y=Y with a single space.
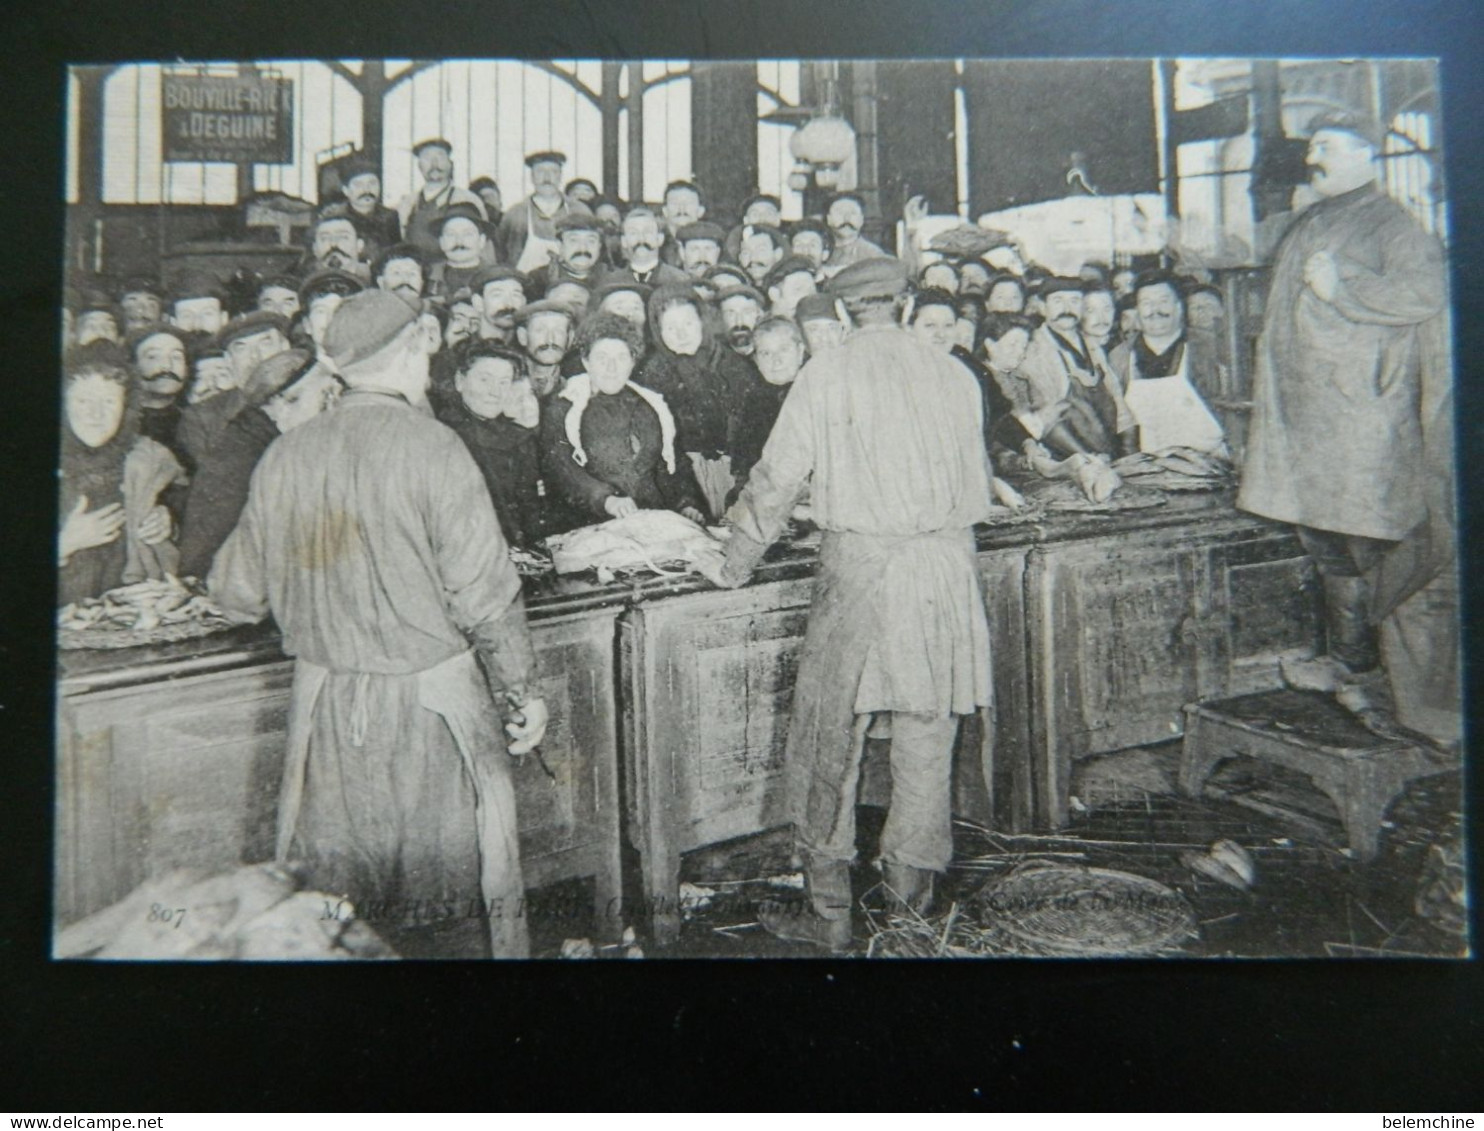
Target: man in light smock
x=369 y=535
x=1164 y=370
x=889 y=432
x=527 y=238
x=1351 y=436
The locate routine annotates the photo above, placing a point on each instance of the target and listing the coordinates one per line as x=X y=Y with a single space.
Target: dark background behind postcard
x=1018 y=1035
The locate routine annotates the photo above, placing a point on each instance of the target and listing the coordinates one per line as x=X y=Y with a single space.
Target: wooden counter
x=175 y=761
x=1102 y=628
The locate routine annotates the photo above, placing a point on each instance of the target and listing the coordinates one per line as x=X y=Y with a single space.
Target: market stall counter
x=1103 y=626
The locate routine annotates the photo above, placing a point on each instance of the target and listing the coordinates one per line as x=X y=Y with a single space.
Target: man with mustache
x=700 y=247
x=762 y=247
x=158 y=354
x=845 y=217
x=499 y=293
x=198 y=304
x=141 y=301
x=1351 y=434
x=360 y=183
x=463 y=237
x=544 y=331
x=527 y=238
x=741 y=309
x=248 y=341
x=682 y=205
x=420 y=210
x=335 y=244
x=402 y=270
x=789 y=280
x=579 y=254
x=640 y=240
x=1063 y=392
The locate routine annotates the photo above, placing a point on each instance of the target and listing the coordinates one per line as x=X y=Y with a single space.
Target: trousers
x=918 y=830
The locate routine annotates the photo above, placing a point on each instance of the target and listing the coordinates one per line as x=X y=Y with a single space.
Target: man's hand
x=528 y=727
x=1006 y=495
x=915 y=211
x=156 y=527
x=84 y=529
x=620 y=506
x=521 y=405
x=1322 y=276
x=694 y=515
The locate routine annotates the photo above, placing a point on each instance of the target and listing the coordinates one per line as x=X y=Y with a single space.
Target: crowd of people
x=595 y=357
x=354 y=447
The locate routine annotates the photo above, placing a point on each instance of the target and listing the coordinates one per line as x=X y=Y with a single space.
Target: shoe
x=796 y=921
x=909 y=890
x=1318 y=673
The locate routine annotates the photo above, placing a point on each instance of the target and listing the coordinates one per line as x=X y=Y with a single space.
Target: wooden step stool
x=1361 y=772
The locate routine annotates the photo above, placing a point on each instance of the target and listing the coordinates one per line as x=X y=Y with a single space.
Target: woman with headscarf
x=114 y=530
x=609 y=445
x=701 y=380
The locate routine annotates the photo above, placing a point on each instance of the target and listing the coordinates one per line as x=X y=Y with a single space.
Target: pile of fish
x=1177 y=469
x=147 y=612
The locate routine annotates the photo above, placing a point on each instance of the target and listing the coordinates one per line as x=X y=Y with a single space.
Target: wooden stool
x=1361 y=772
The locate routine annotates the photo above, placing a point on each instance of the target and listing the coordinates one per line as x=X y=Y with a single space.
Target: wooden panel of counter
x=184 y=771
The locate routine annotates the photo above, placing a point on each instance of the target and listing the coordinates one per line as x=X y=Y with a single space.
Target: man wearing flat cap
x=420 y=209
x=1351 y=434
x=527 y=236
x=463 y=245
x=499 y=292
x=888 y=430
x=282 y=392
x=141 y=301
x=1063 y=393
x=248 y=341
x=544 y=331
x=579 y=255
x=370 y=536
x=360 y=184
x=700 y=247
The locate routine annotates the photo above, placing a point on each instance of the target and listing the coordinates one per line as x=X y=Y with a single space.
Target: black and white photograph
x=592 y=509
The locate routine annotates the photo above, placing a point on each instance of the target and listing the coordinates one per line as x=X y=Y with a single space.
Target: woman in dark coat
x=493 y=409
x=114 y=530
x=609 y=445
x=701 y=380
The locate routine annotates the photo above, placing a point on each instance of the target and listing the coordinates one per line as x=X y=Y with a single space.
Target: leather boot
x=1352 y=636
x=909 y=890
x=823 y=919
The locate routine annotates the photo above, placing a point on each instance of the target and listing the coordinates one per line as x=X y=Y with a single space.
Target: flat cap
x=273 y=375
x=198 y=284
x=432 y=143
x=814 y=308
x=329 y=282
x=882 y=277
x=1154 y=278
x=546 y=156
x=365 y=324
x=726 y=271
x=741 y=289
x=141 y=285
x=788 y=265
x=460 y=211
x=254 y=323
x=702 y=230
x=544 y=306
x=577 y=222
x=1362 y=126
x=496 y=274
x=150 y=330
x=1053 y=283
x=614 y=286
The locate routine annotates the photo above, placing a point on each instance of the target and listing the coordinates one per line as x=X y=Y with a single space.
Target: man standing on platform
x=527 y=237
x=888 y=431
x=846 y=217
x=421 y=209
x=369 y=535
x=1351 y=436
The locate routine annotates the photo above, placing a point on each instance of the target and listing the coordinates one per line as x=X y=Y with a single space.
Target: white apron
x=539 y=250
x=1169 y=411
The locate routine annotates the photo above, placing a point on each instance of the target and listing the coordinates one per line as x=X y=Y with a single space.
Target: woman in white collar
x=608 y=444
